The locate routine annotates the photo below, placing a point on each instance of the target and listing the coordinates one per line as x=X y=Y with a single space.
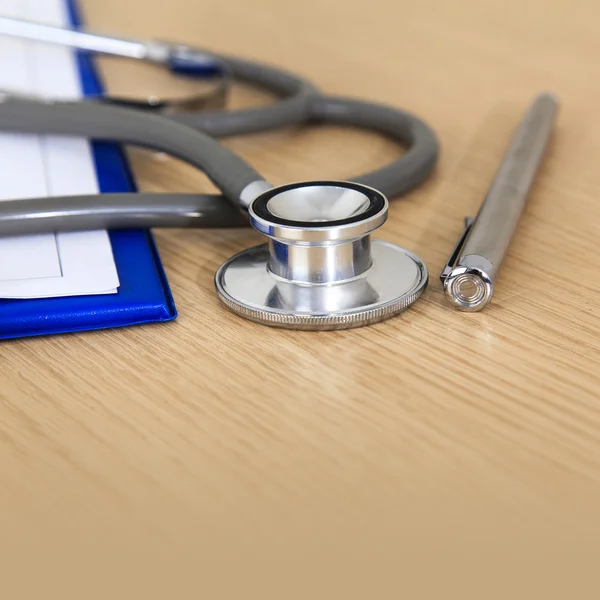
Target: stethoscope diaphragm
x=320 y=269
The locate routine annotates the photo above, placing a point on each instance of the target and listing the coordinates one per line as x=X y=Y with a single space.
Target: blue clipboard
x=143 y=296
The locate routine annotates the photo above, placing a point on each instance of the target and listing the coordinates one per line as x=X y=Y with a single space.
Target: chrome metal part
x=92 y=42
x=320 y=268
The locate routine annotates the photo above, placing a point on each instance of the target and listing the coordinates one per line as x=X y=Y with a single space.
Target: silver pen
x=468 y=277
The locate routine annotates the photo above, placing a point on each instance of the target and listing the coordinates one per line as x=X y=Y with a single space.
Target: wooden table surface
x=434 y=450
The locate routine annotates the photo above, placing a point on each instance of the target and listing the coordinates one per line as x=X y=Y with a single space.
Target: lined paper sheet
x=63 y=264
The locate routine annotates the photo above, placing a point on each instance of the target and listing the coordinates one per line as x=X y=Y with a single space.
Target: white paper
x=22 y=174
x=64 y=264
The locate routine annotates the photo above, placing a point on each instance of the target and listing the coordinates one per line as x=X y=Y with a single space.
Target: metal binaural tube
x=74 y=39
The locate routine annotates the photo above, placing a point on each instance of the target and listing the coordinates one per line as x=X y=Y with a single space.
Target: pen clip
x=457 y=250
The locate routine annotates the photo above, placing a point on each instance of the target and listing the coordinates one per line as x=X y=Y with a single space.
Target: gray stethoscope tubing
x=230 y=173
x=292 y=90
x=290 y=110
x=293 y=93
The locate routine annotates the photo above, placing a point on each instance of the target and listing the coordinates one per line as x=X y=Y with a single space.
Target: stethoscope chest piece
x=320 y=268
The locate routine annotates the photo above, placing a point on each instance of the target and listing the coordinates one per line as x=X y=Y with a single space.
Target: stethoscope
x=320 y=268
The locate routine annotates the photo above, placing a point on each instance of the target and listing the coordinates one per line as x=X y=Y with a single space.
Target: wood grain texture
x=435 y=453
